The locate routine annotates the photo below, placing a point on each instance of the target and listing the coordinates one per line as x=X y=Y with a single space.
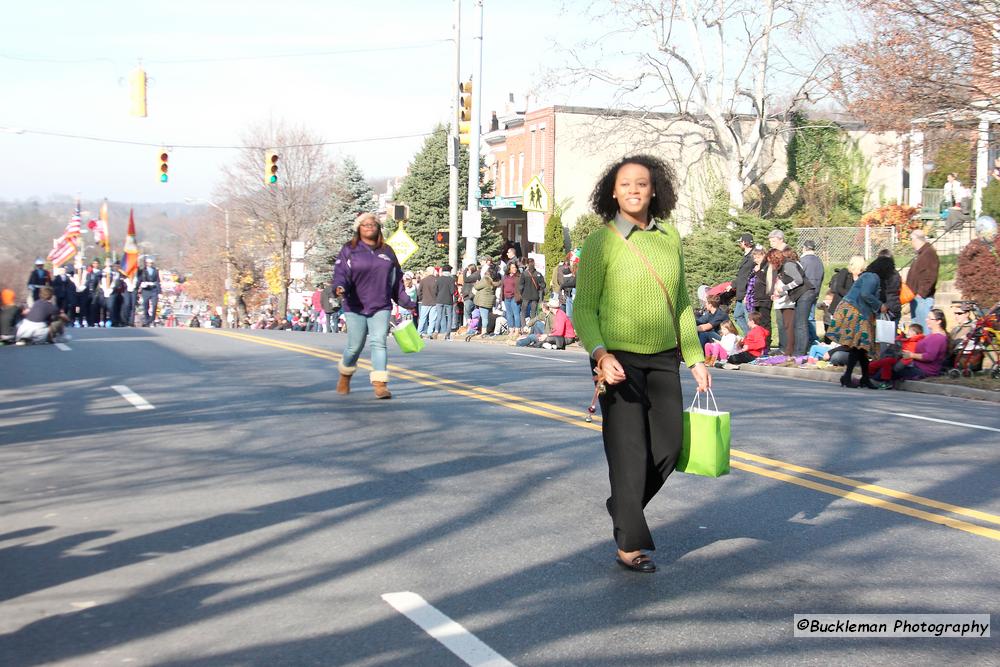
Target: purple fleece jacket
x=372 y=279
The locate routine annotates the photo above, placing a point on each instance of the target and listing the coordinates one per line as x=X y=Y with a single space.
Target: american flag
x=64 y=247
x=63 y=250
x=73 y=228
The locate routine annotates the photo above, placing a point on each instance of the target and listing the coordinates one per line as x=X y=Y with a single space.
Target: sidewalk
x=811 y=374
x=919 y=386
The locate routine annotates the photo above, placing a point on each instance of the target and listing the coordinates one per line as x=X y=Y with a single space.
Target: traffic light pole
x=453 y=145
x=472 y=243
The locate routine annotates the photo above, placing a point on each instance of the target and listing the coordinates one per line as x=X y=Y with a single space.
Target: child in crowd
x=882 y=368
x=726 y=345
x=825 y=306
x=754 y=344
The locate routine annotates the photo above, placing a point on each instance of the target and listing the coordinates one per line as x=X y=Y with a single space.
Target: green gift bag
x=706 y=440
x=407 y=337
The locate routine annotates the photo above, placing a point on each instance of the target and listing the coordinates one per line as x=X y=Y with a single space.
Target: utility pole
x=472 y=210
x=453 y=147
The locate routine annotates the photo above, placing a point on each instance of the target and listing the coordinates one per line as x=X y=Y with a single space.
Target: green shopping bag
x=706 y=440
x=407 y=337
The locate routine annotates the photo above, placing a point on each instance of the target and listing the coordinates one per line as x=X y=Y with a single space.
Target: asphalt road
x=253 y=516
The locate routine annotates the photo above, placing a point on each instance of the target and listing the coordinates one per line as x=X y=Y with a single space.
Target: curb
x=920 y=387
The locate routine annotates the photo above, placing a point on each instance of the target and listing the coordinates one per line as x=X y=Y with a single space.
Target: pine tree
x=425 y=191
x=554 y=246
x=352 y=195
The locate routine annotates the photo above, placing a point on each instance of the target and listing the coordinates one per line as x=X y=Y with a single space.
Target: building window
x=520 y=171
x=510 y=179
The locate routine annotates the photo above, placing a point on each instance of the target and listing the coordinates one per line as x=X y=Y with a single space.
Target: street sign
x=536 y=227
x=402 y=244
x=472 y=224
x=498 y=202
x=298 y=249
x=536 y=197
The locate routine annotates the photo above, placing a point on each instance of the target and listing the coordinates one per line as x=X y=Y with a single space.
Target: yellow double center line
x=860 y=492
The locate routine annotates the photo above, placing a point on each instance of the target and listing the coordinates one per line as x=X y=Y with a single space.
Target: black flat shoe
x=867 y=384
x=846 y=382
x=641 y=563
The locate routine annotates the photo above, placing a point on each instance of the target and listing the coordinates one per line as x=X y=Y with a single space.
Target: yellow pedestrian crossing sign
x=402 y=244
x=536 y=197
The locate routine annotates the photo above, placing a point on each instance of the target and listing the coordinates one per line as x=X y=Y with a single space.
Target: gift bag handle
x=709 y=394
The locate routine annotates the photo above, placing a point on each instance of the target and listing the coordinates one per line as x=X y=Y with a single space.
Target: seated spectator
x=10 y=317
x=882 y=368
x=195 y=323
x=562 y=331
x=43 y=323
x=711 y=319
x=754 y=344
x=726 y=345
x=540 y=327
x=929 y=355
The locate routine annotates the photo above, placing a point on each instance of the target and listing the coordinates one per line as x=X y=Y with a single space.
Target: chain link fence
x=836 y=245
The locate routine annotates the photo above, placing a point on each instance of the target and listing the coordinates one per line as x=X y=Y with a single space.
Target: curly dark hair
x=665 y=196
x=883 y=267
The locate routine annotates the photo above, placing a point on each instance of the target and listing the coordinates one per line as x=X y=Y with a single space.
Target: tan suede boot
x=344 y=384
x=381 y=390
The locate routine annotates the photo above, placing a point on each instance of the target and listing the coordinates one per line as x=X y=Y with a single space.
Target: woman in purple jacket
x=367 y=277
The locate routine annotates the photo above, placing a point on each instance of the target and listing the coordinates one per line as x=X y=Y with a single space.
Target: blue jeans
x=812 y=322
x=920 y=308
x=528 y=310
x=803 y=308
x=435 y=317
x=484 y=319
x=513 y=311
x=569 y=304
x=423 y=312
x=740 y=315
x=375 y=328
x=705 y=337
x=446 y=315
x=467 y=311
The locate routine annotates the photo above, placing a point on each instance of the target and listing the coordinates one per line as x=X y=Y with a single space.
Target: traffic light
x=137 y=92
x=441 y=237
x=464 y=111
x=164 y=168
x=271 y=167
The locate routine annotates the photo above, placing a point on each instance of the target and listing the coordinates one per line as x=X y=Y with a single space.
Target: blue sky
x=63 y=67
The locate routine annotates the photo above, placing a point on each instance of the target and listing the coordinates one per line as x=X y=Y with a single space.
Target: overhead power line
x=166 y=144
x=223 y=59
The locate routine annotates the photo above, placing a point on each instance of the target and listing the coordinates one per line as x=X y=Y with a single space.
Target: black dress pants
x=643 y=430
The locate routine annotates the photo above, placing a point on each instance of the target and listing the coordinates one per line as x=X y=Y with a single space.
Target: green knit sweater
x=619 y=305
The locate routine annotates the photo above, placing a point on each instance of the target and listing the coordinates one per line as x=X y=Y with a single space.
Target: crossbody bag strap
x=649 y=267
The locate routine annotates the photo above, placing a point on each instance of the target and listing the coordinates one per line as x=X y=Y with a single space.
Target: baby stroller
x=982 y=343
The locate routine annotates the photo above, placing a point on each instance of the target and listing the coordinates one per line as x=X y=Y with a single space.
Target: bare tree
x=715 y=63
x=265 y=219
x=919 y=58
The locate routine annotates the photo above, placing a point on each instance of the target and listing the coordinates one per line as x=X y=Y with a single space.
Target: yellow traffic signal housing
x=271 y=167
x=137 y=92
x=464 y=112
x=164 y=167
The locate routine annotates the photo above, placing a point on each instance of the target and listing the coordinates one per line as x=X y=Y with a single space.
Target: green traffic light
x=163 y=178
x=273 y=179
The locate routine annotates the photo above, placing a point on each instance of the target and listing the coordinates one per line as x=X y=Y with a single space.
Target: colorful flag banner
x=64 y=247
x=130 y=265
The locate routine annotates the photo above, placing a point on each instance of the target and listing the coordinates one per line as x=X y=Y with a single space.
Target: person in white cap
x=38 y=279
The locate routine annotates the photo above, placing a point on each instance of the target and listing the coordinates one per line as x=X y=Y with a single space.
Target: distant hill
x=28 y=226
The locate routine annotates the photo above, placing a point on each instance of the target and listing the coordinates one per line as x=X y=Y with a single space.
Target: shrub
x=893 y=215
x=991 y=199
x=978 y=273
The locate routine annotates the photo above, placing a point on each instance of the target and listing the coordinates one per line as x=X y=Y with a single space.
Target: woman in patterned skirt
x=854 y=326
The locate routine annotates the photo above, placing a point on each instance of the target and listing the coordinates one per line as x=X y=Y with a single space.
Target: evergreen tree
x=425 y=191
x=554 y=246
x=585 y=224
x=352 y=196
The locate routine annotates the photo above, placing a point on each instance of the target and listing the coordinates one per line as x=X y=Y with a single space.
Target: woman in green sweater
x=633 y=316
